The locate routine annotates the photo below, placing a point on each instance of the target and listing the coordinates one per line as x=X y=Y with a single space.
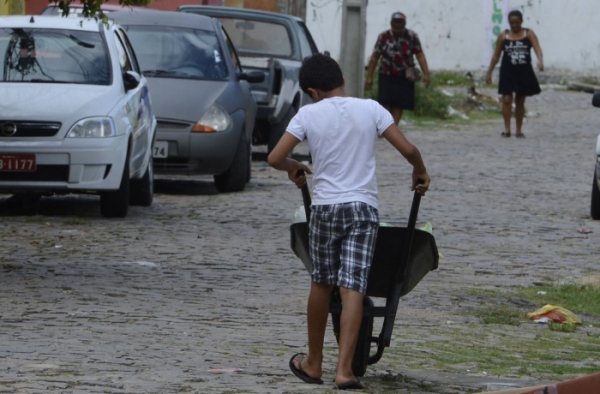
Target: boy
x=342 y=133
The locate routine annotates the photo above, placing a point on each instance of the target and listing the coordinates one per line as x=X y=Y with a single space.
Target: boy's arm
x=278 y=159
x=412 y=155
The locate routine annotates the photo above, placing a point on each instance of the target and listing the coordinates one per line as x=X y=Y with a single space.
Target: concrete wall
x=12 y=7
x=458 y=34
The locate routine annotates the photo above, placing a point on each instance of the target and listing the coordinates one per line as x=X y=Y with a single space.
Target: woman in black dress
x=516 y=72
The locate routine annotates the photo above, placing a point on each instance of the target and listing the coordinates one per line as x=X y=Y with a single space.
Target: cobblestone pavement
x=173 y=297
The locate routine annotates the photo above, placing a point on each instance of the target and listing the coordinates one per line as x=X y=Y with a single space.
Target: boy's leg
x=358 y=247
x=317 y=312
x=350 y=322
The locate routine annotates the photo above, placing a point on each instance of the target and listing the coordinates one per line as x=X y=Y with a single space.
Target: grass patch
x=504 y=342
x=499 y=351
x=449 y=78
x=590 y=80
x=576 y=298
x=431 y=103
x=502 y=315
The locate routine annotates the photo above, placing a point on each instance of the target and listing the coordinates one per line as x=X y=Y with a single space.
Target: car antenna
x=32 y=20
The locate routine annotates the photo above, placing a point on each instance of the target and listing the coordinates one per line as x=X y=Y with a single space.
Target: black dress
x=516 y=72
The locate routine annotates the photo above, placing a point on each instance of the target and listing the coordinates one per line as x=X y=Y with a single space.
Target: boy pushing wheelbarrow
x=342 y=133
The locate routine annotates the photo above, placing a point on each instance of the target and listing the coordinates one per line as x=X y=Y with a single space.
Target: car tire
x=115 y=204
x=595 y=205
x=142 y=190
x=236 y=177
x=277 y=130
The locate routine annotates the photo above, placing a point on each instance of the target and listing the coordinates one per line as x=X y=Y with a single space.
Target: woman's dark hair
x=515 y=13
x=320 y=72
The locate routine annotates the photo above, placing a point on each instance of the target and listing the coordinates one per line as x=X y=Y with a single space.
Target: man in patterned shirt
x=396 y=48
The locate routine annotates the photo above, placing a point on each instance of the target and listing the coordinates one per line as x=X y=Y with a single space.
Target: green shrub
x=430 y=102
x=449 y=78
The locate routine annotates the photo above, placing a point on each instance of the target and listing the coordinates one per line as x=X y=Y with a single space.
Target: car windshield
x=170 y=52
x=53 y=56
x=252 y=37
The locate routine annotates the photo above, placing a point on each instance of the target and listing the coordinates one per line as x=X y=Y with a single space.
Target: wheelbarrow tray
x=387 y=269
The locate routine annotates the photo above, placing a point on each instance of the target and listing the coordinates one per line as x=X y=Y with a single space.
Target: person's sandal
x=505 y=134
x=520 y=135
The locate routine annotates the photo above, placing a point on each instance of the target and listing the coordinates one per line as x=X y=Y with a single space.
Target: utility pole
x=354 y=31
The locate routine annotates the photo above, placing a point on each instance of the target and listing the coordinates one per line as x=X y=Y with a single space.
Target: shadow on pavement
x=182 y=186
x=63 y=205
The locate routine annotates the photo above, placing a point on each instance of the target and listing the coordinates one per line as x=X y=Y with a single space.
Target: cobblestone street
x=201 y=292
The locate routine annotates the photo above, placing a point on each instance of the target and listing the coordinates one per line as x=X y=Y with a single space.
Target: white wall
x=456 y=34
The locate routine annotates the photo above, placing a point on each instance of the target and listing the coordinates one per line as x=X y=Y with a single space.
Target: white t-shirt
x=342 y=133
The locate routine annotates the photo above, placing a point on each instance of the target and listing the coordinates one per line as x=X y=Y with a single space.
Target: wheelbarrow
x=403 y=256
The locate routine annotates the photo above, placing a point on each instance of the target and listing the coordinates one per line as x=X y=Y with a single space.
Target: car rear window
x=252 y=37
x=169 y=52
x=53 y=56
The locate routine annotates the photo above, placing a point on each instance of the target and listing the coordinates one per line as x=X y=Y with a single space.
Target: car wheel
x=115 y=204
x=595 y=206
x=236 y=177
x=142 y=190
x=277 y=130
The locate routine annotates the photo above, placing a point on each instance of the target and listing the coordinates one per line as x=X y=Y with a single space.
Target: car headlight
x=214 y=120
x=93 y=128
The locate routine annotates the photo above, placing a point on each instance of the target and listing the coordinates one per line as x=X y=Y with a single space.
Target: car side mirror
x=596 y=99
x=131 y=80
x=252 y=76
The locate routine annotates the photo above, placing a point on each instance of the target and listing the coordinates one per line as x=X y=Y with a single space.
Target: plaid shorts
x=342 y=243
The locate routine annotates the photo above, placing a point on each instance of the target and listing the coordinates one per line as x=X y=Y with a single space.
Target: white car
x=75 y=112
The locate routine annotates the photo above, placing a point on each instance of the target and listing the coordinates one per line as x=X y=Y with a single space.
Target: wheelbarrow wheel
x=363 y=343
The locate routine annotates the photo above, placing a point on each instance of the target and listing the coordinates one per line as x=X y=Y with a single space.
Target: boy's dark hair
x=515 y=13
x=320 y=72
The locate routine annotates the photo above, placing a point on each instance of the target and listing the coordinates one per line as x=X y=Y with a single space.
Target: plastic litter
x=556 y=314
x=584 y=231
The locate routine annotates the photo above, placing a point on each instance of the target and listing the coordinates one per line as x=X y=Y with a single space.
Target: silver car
x=75 y=113
x=201 y=96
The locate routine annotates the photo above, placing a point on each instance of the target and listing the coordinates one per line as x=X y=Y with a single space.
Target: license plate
x=161 y=149
x=17 y=162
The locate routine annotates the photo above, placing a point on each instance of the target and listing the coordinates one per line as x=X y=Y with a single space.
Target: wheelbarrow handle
x=414 y=211
x=305 y=197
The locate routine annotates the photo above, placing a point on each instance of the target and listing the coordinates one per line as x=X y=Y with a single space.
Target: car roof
x=162 y=18
x=234 y=11
x=50 y=22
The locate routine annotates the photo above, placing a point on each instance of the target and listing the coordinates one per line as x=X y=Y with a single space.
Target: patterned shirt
x=397 y=52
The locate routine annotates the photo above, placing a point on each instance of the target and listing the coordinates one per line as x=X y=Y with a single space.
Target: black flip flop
x=300 y=373
x=351 y=385
x=505 y=134
x=520 y=135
